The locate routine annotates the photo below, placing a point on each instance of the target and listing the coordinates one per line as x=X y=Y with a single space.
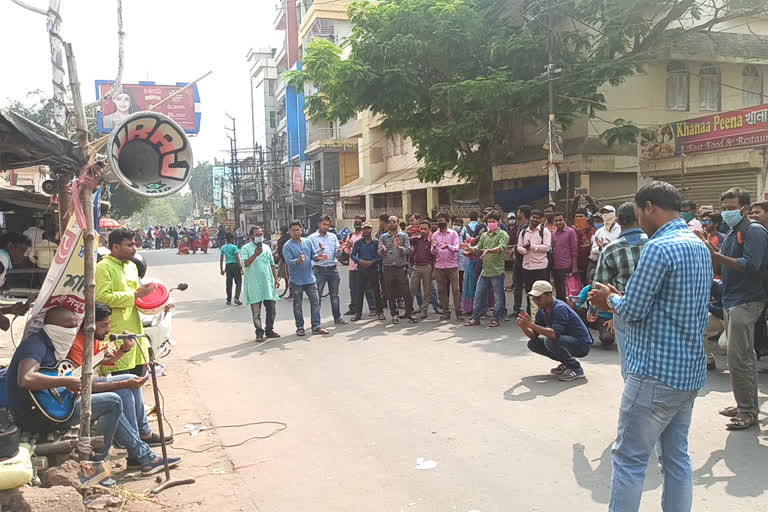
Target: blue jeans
x=652 y=412
x=133 y=404
x=298 y=291
x=331 y=277
x=107 y=410
x=620 y=328
x=481 y=297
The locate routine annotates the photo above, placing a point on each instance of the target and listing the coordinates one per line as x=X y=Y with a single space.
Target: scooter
x=157 y=327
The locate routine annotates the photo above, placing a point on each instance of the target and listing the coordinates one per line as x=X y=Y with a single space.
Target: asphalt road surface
x=365 y=403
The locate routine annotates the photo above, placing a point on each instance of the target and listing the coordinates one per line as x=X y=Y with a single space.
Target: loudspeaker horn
x=150 y=154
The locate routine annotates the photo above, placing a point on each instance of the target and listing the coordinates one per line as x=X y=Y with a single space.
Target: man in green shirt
x=118 y=286
x=491 y=247
x=261 y=282
x=233 y=269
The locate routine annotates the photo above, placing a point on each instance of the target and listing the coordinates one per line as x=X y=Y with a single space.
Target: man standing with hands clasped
x=445 y=247
x=261 y=282
x=394 y=249
x=299 y=253
x=665 y=312
x=325 y=270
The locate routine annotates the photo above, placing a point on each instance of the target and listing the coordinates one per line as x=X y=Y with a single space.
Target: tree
x=464 y=78
x=38 y=109
x=201 y=185
x=158 y=212
x=125 y=203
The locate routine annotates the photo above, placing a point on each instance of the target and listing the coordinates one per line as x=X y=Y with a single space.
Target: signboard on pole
x=184 y=109
x=747 y=127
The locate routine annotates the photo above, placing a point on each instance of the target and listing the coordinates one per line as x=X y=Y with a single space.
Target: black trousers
x=396 y=287
x=232 y=271
x=559 y=276
x=518 y=284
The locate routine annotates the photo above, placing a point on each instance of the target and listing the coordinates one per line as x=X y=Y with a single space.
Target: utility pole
x=234 y=170
x=554 y=154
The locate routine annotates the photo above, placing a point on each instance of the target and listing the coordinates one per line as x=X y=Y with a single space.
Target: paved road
x=365 y=402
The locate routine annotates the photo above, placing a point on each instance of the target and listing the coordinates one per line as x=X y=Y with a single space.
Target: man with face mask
x=349 y=243
x=688 y=213
x=606 y=234
x=739 y=263
x=491 y=247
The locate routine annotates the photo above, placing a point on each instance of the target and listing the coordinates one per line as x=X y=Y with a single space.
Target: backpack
x=550 y=255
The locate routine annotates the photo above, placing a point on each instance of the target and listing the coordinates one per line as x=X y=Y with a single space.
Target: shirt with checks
x=619 y=259
x=665 y=308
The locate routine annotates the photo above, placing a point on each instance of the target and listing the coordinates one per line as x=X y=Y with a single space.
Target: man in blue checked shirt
x=325 y=271
x=665 y=309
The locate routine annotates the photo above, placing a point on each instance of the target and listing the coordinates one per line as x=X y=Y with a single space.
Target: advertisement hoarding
x=184 y=109
x=743 y=128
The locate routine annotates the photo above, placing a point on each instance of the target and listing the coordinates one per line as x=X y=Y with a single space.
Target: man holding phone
x=261 y=282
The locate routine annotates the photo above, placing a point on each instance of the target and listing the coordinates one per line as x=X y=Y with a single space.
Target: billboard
x=184 y=109
x=747 y=127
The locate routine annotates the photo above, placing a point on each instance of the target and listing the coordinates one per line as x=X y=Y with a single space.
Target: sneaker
x=259 y=338
x=158 y=465
x=558 y=370
x=300 y=331
x=572 y=374
x=237 y=301
x=413 y=319
x=229 y=303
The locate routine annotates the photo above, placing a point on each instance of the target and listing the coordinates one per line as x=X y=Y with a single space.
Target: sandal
x=740 y=423
x=472 y=322
x=730 y=412
x=493 y=323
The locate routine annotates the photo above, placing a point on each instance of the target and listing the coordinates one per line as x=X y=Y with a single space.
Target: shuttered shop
x=704 y=188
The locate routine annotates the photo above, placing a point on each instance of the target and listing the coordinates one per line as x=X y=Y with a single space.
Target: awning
x=19 y=196
x=24 y=143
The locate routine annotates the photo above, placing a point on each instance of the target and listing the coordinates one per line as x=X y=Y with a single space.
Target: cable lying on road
x=282 y=426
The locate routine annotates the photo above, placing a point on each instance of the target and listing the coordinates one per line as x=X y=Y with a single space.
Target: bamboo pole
x=89 y=327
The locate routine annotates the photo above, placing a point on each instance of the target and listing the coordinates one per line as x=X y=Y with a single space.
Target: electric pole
x=234 y=170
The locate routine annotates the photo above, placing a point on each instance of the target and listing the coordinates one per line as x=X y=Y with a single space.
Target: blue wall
x=296 y=126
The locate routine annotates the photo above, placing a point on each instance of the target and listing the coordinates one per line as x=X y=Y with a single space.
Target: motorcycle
x=157 y=327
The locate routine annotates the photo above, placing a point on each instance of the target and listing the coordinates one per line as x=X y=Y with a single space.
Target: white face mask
x=61 y=337
x=608 y=218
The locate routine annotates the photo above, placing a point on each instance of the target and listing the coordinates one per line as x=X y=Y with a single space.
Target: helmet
x=101 y=252
x=141 y=264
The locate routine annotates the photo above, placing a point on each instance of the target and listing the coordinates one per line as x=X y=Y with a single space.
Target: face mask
x=608 y=218
x=731 y=217
x=258 y=239
x=493 y=226
x=512 y=222
x=598 y=225
x=581 y=223
x=442 y=225
x=358 y=226
x=61 y=337
x=687 y=216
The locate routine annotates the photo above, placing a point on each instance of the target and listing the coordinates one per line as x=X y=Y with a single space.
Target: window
x=753 y=86
x=272 y=119
x=271 y=83
x=709 y=87
x=677 y=86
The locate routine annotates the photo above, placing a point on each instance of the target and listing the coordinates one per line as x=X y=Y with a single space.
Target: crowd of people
x=656 y=277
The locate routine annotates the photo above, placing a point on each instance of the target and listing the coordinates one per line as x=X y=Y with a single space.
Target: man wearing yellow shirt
x=117 y=286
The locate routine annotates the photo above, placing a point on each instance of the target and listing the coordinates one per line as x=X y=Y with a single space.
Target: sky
x=166 y=41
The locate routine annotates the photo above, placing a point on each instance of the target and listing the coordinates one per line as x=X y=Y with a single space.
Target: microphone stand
x=169 y=482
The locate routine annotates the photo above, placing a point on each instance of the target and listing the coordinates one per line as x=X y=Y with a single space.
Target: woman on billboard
x=125 y=106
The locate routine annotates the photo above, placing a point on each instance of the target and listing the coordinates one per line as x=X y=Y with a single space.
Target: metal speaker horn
x=150 y=154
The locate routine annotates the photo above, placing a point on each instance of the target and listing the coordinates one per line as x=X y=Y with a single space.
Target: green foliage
x=464 y=79
x=623 y=132
x=201 y=185
x=158 y=212
x=125 y=202
x=38 y=108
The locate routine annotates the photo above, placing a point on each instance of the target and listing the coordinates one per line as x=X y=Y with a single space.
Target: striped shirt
x=619 y=259
x=665 y=308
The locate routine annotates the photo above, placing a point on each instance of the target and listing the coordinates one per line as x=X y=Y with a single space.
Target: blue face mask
x=598 y=225
x=731 y=217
